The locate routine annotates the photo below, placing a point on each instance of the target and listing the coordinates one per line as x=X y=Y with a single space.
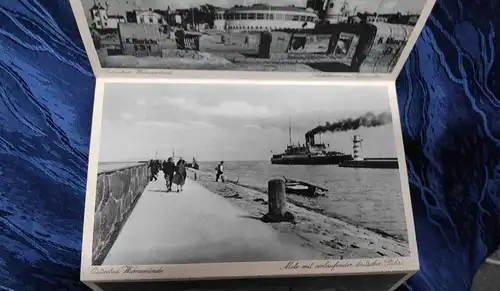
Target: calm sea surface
x=367 y=197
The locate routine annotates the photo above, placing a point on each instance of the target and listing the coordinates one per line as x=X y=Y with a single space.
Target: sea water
x=371 y=198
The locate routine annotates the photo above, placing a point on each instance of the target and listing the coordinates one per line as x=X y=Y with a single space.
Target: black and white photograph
x=334 y=36
x=211 y=173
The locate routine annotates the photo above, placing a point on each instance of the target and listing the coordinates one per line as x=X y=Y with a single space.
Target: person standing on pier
x=153 y=166
x=180 y=174
x=168 y=168
x=220 y=172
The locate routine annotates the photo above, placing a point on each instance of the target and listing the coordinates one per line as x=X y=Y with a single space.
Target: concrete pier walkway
x=198 y=226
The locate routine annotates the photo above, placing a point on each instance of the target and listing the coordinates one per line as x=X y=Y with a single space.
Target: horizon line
x=139 y=160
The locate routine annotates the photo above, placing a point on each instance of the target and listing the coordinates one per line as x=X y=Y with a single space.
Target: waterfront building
x=336 y=13
x=376 y=18
x=100 y=19
x=261 y=17
x=146 y=17
x=140 y=39
x=220 y=21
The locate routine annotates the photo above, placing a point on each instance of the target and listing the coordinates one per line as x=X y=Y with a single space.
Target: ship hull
x=306 y=160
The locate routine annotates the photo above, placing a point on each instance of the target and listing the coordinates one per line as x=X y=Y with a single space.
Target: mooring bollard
x=277 y=197
x=277 y=203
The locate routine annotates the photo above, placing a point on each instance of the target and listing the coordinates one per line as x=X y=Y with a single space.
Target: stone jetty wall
x=116 y=195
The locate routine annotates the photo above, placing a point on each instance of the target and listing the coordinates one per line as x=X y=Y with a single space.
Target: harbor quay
x=137 y=221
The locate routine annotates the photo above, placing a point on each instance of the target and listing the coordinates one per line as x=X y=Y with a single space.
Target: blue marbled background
x=450 y=110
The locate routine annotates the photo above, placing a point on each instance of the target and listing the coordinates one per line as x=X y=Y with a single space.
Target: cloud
x=170 y=125
x=178 y=126
x=233 y=109
x=126 y=115
x=252 y=126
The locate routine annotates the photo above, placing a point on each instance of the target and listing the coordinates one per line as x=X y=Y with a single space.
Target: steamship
x=310 y=153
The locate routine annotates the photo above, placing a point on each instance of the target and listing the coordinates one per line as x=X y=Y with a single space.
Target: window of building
x=260 y=15
x=296 y=18
x=289 y=17
x=244 y=16
x=251 y=16
x=279 y=16
x=302 y=18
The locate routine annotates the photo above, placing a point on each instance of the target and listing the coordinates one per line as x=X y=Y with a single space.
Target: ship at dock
x=310 y=153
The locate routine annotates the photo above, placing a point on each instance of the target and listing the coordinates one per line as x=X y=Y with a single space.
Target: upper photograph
x=330 y=36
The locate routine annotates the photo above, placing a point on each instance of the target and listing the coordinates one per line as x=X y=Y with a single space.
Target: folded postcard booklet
x=241 y=145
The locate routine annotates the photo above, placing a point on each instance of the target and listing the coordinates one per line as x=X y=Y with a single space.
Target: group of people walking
x=173 y=173
x=177 y=173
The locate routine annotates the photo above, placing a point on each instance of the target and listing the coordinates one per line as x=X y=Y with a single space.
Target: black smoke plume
x=367 y=120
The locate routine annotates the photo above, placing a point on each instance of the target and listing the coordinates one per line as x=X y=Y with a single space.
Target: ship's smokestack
x=310 y=139
x=356 y=148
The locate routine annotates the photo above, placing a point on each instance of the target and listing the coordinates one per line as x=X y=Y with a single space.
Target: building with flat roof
x=140 y=39
x=261 y=17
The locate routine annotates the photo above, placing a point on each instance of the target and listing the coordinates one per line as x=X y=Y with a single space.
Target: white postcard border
x=291 y=77
x=241 y=270
x=410 y=44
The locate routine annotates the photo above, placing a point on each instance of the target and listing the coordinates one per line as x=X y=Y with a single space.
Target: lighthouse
x=356 y=148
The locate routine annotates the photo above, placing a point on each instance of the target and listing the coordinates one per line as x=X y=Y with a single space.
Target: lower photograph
x=238 y=185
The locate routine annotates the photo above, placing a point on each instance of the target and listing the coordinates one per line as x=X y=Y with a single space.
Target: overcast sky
x=232 y=122
x=120 y=6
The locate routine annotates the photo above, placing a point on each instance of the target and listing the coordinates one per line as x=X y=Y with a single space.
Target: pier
x=197 y=226
x=212 y=222
x=371 y=163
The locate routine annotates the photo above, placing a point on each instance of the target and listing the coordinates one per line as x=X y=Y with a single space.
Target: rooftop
x=264 y=7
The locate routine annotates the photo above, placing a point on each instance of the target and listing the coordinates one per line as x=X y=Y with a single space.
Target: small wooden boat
x=303 y=188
